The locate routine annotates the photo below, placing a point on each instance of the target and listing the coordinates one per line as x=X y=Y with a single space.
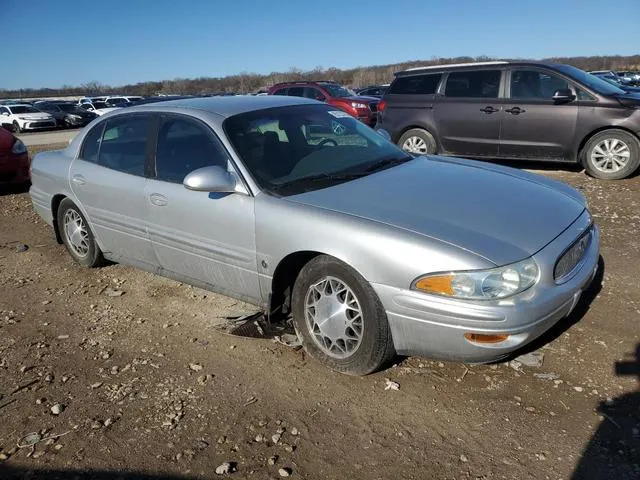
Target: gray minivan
x=515 y=110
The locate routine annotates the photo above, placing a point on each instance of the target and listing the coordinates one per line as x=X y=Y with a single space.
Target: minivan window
x=591 y=81
x=185 y=146
x=124 y=143
x=474 y=84
x=415 y=85
x=535 y=85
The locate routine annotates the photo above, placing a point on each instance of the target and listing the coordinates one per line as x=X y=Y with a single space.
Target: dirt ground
x=144 y=386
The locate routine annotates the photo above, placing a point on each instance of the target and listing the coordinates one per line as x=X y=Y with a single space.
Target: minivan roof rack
x=447 y=65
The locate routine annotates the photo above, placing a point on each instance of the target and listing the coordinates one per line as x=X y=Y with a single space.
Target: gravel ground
x=122 y=374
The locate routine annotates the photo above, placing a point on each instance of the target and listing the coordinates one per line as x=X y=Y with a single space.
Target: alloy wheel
x=76 y=232
x=610 y=155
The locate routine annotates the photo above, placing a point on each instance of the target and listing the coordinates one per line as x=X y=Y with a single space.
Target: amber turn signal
x=486 y=338
x=440 y=284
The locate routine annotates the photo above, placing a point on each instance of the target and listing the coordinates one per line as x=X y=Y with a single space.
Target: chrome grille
x=570 y=260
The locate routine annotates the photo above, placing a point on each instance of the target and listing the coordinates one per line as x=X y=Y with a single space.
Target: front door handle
x=489 y=110
x=158 y=200
x=515 y=110
x=78 y=180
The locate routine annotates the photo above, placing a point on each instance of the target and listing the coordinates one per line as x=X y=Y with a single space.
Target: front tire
x=418 y=141
x=340 y=319
x=16 y=127
x=611 y=155
x=77 y=235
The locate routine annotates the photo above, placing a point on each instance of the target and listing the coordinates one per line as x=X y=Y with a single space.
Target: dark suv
x=362 y=107
x=515 y=110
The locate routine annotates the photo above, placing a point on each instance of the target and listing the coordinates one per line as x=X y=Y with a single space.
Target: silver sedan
x=296 y=207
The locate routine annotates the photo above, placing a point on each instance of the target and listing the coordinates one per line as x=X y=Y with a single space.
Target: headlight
x=358 y=105
x=74 y=116
x=489 y=284
x=18 y=147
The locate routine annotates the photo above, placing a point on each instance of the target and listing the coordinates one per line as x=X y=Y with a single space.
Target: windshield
x=68 y=107
x=23 y=109
x=591 y=81
x=294 y=149
x=336 y=90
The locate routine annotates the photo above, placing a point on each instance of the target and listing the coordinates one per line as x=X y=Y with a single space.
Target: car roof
x=18 y=105
x=227 y=106
x=471 y=65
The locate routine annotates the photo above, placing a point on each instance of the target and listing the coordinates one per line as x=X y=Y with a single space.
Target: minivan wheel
x=339 y=318
x=418 y=141
x=611 y=155
x=77 y=235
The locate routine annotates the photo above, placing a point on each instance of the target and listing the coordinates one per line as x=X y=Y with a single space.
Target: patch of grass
x=44 y=148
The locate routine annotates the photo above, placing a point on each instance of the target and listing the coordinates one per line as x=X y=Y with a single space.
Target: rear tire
x=77 y=235
x=418 y=141
x=611 y=154
x=340 y=319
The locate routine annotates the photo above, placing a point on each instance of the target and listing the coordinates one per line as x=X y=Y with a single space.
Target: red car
x=363 y=108
x=14 y=159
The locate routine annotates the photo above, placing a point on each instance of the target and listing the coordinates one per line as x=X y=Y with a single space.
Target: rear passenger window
x=296 y=91
x=91 y=145
x=184 y=146
x=477 y=84
x=282 y=91
x=415 y=85
x=124 y=144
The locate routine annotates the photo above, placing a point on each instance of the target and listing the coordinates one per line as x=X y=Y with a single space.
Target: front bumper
x=38 y=124
x=432 y=326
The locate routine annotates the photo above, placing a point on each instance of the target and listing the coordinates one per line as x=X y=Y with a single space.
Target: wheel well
x=283 y=280
x=55 y=204
x=416 y=127
x=595 y=132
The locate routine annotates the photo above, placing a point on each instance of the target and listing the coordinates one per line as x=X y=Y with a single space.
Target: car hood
x=500 y=214
x=34 y=116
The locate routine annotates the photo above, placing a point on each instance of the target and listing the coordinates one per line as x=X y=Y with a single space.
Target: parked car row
x=622 y=78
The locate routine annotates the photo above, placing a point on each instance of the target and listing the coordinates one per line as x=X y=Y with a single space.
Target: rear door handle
x=515 y=110
x=158 y=200
x=78 y=180
x=489 y=110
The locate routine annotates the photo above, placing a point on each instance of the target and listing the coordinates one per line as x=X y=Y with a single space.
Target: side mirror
x=210 y=179
x=563 y=95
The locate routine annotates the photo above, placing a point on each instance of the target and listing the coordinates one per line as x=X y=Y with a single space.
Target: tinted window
x=313 y=93
x=535 y=85
x=296 y=91
x=478 y=84
x=185 y=146
x=3 y=110
x=124 y=143
x=23 y=109
x=91 y=145
x=282 y=91
x=415 y=85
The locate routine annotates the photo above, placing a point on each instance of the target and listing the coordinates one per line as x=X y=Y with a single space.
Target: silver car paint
x=397 y=240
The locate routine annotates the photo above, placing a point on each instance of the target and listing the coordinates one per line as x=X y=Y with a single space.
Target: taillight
x=382 y=105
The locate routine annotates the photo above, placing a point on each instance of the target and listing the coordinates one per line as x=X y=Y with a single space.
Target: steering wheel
x=327 y=141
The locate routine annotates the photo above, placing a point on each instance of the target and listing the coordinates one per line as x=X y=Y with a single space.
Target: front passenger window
x=535 y=85
x=184 y=146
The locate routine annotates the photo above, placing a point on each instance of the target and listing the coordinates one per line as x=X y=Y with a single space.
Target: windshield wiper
x=321 y=177
x=386 y=163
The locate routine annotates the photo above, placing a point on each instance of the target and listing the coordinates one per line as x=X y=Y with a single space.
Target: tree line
x=246 y=82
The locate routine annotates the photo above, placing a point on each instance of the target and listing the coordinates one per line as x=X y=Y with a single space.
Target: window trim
x=501 y=84
x=570 y=82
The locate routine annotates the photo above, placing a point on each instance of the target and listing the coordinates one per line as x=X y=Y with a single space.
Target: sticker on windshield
x=339 y=114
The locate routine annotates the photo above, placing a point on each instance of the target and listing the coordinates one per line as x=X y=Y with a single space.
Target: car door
x=108 y=181
x=535 y=125
x=203 y=238
x=469 y=112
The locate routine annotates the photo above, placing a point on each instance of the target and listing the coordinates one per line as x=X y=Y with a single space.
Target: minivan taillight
x=382 y=105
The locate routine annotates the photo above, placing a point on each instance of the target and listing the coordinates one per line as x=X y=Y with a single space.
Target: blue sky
x=51 y=43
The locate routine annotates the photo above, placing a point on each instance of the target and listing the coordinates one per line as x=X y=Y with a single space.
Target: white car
x=25 y=117
x=99 y=108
